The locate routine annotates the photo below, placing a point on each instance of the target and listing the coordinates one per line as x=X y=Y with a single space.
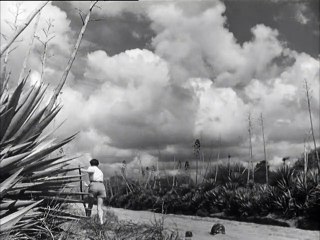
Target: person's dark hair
x=94 y=162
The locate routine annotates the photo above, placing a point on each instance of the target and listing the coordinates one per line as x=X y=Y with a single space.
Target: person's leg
x=100 y=210
x=90 y=205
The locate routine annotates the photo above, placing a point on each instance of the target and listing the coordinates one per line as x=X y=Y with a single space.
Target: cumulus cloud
x=283 y=99
x=198 y=83
x=217 y=110
x=195 y=81
x=135 y=107
x=211 y=51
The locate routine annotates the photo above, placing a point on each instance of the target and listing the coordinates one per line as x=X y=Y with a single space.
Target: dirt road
x=201 y=227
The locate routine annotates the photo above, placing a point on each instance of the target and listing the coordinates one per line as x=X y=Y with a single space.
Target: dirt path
x=201 y=227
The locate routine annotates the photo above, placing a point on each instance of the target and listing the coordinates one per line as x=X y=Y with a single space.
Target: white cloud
x=211 y=51
x=35 y=78
x=165 y=99
x=142 y=160
x=61 y=43
x=134 y=107
x=198 y=83
x=300 y=14
x=220 y=111
x=122 y=69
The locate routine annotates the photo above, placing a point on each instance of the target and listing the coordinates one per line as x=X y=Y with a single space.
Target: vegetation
x=115 y=229
x=35 y=180
x=288 y=196
x=32 y=175
x=36 y=183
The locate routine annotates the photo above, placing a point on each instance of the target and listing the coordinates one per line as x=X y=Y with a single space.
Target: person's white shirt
x=95 y=174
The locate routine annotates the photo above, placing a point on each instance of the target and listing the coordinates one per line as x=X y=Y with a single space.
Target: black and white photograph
x=160 y=120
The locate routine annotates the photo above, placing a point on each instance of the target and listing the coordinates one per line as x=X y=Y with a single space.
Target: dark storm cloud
x=281 y=15
x=113 y=34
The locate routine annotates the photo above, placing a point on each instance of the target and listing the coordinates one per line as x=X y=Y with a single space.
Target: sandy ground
x=200 y=227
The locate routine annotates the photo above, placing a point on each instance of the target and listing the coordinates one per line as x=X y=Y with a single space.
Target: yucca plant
x=34 y=184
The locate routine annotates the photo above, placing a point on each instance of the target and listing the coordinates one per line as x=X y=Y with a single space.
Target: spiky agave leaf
x=11 y=106
x=23 y=147
x=9 y=182
x=8 y=222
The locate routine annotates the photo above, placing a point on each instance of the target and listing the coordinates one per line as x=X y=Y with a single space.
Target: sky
x=151 y=77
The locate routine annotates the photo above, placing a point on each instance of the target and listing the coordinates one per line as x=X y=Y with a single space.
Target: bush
x=288 y=196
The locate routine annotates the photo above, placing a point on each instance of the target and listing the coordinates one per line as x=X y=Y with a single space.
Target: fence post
x=81 y=188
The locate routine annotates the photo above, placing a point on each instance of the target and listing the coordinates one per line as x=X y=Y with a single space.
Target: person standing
x=96 y=188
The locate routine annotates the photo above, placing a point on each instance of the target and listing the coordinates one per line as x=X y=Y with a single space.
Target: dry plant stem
x=250 y=145
x=196 y=171
x=24 y=66
x=311 y=124
x=125 y=179
x=22 y=27
x=71 y=60
x=216 y=175
x=203 y=164
x=206 y=170
x=264 y=148
x=218 y=158
x=14 y=27
x=229 y=169
x=43 y=61
x=45 y=47
x=305 y=167
x=110 y=187
x=4 y=68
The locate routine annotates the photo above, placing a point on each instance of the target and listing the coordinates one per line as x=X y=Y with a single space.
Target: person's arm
x=86 y=184
x=89 y=170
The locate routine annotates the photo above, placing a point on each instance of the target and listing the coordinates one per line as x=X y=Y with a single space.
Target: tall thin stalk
x=250 y=146
x=311 y=124
x=218 y=158
x=229 y=169
x=174 y=167
x=14 y=26
x=305 y=163
x=71 y=60
x=45 y=43
x=24 y=66
x=264 y=148
x=196 y=147
x=22 y=27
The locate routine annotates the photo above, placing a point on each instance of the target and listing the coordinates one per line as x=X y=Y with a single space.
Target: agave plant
x=34 y=184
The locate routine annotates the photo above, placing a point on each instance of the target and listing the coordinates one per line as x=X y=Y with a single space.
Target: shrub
x=32 y=178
